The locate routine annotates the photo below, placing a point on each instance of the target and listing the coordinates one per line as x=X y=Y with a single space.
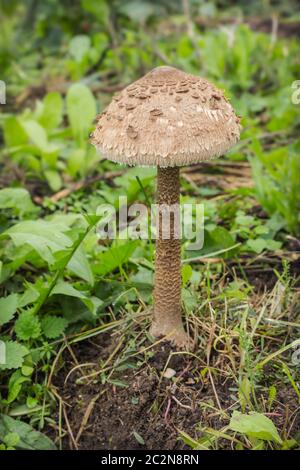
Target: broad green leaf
x=98 y=8
x=38 y=136
x=63 y=288
x=260 y=244
x=80 y=266
x=11 y=355
x=15 y=385
x=51 y=113
x=43 y=236
x=81 y=109
x=14 y=133
x=139 y=11
x=254 y=425
x=114 y=258
x=215 y=239
x=27 y=370
x=79 y=46
x=17 y=199
x=189 y=300
x=8 y=307
x=53 y=326
x=257 y=245
x=76 y=161
x=54 y=179
x=75 y=310
x=30 y=295
x=29 y=439
x=48 y=239
x=143 y=281
x=246 y=220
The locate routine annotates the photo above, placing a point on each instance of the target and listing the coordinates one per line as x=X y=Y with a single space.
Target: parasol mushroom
x=167 y=119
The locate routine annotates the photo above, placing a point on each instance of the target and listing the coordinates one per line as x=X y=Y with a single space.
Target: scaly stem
x=167 y=318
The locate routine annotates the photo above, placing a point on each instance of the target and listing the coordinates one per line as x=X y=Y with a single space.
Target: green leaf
x=138 y=437
x=98 y=8
x=189 y=300
x=216 y=239
x=80 y=266
x=27 y=370
x=274 y=245
x=79 y=46
x=8 y=307
x=245 y=220
x=143 y=281
x=29 y=439
x=51 y=113
x=17 y=199
x=186 y=274
x=53 y=326
x=38 y=136
x=30 y=295
x=74 y=310
x=14 y=134
x=63 y=288
x=76 y=162
x=11 y=439
x=13 y=356
x=260 y=244
x=257 y=245
x=140 y=11
x=31 y=402
x=254 y=425
x=54 y=179
x=44 y=237
x=27 y=326
x=114 y=257
x=81 y=109
x=15 y=385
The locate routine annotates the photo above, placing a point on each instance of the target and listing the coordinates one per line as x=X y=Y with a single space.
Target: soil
x=151 y=410
x=146 y=409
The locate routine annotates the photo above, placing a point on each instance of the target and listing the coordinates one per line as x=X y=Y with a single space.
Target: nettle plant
x=167 y=119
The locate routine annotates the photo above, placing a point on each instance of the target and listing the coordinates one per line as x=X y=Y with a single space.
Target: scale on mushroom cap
x=168 y=119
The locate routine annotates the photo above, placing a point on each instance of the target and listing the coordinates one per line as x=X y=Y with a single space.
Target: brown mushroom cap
x=167 y=118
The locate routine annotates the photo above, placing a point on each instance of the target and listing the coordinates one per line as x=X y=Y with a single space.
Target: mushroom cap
x=167 y=118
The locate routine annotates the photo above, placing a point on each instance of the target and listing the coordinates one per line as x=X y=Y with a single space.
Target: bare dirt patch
x=151 y=410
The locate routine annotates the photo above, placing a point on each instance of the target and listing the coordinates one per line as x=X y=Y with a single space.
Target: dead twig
x=86 y=416
x=70 y=432
x=84 y=184
x=181 y=404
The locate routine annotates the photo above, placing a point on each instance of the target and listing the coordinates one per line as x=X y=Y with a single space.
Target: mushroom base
x=167 y=315
x=175 y=334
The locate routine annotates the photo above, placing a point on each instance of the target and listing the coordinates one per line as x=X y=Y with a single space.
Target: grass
x=240 y=361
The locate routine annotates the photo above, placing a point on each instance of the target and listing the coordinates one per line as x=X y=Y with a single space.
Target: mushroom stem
x=167 y=317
